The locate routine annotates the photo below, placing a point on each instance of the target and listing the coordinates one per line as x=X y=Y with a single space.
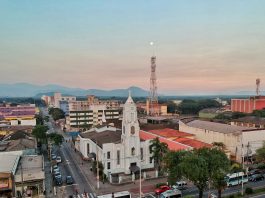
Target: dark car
x=161 y=189
x=58 y=180
x=69 y=180
x=256 y=177
x=254 y=172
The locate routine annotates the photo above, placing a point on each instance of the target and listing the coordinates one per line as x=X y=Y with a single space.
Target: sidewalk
x=48 y=178
x=106 y=188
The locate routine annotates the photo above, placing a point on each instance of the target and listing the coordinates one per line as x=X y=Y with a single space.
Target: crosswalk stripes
x=90 y=195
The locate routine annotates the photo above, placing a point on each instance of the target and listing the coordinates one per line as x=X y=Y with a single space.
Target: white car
x=180 y=185
x=58 y=159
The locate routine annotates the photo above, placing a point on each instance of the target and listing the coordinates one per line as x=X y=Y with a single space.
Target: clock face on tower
x=132 y=130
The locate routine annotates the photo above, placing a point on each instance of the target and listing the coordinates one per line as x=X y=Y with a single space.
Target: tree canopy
x=260 y=153
x=56 y=113
x=158 y=150
x=201 y=166
x=56 y=138
x=39 y=132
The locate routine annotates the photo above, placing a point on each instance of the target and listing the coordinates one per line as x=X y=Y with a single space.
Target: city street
x=72 y=165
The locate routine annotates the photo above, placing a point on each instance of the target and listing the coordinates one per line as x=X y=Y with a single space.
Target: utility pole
x=242 y=190
x=97 y=167
x=140 y=178
x=22 y=180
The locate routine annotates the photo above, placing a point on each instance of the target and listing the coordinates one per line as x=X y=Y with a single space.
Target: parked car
x=69 y=180
x=58 y=159
x=256 y=177
x=58 y=180
x=253 y=172
x=180 y=185
x=55 y=169
x=212 y=195
x=57 y=173
x=54 y=157
x=161 y=189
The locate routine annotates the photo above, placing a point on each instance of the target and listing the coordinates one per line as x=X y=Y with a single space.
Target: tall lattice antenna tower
x=257 y=86
x=153 y=98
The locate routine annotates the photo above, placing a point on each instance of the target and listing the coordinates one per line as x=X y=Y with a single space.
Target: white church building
x=122 y=152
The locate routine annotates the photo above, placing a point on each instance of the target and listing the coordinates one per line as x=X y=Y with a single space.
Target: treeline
x=235 y=115
x=22 y=100
x=188 y=106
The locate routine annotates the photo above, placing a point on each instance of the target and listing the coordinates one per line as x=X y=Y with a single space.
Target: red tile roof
x=170 y=133
x=193 y=143
x=172 y=145
x=180 y=140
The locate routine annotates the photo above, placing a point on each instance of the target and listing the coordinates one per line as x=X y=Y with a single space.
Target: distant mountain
x=30 y=90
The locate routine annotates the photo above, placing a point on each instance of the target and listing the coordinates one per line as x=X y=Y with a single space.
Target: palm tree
x=158 y=150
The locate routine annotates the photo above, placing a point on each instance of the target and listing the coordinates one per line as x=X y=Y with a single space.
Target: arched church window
x=133 y=151
x=132 y=130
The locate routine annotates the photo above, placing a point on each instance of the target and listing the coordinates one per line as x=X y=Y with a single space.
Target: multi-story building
x=248 y=105
x=89 y=115
x=19 y=115
x=54 y=101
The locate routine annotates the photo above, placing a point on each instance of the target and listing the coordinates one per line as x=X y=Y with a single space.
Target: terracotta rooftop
x=193 y=143
x=170 y=133
x=172 y=145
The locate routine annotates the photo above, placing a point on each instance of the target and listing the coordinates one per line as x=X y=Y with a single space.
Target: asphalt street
x=81 y=186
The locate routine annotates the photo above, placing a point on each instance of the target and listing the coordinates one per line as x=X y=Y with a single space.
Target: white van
x=180 y=185
x=174 y=193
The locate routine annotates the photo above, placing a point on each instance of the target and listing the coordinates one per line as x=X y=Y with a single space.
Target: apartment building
x=89 y=115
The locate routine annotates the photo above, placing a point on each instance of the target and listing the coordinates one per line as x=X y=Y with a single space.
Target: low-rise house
x=30 y=177
x=7 y=172
x=250 y=121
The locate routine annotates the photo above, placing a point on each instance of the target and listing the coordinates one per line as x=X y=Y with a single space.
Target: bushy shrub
x=249 y=191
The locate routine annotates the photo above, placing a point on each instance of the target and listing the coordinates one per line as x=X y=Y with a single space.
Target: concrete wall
x=232 y=141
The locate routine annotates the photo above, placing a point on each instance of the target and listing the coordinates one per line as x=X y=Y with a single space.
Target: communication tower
x=153 y=98
x=257 y=86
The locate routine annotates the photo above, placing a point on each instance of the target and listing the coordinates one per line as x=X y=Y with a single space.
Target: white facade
x=251 y=139
x=119 y=158
x=23 y=122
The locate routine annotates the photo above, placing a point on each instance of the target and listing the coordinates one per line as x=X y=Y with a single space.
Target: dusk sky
x=201 y=46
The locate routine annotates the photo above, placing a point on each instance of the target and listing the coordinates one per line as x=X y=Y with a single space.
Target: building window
x=142 y=153
x=88 y=149
x=108 y=155
x=133 y=151
x=150 y=149
x=150 y=160
x=108 y=165
x=132 y=130
x=118 y=157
